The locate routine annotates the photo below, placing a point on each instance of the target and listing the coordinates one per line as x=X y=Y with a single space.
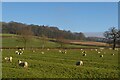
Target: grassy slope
x=53 y=64
x=34 y=42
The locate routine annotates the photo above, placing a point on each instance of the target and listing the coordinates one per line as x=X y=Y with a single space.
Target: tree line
x=40 y=30
x=112 y=36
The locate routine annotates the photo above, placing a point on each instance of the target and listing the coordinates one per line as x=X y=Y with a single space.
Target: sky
x=73 y=16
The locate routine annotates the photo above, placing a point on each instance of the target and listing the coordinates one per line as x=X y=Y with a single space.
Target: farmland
x=54 y=64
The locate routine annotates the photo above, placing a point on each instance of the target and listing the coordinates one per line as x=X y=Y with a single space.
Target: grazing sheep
x=17 y=52
x=20 y=49
x=84 y=54
x=113 y=54
x=101 y=55
x=8 y=59
x=116 y=49
x=48 y=49
x=79 y=63
x=60 y=51
x=99 y=52
x=95 y=49
x=110 y=48
x=23 y=49
x=64 y=51
x=23 y=64
x=101 y=48
x=1 y=50
x=33 y=51
x=42 y=52
x=81 y=49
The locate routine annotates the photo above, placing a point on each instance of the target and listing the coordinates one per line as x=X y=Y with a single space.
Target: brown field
x=78 y=42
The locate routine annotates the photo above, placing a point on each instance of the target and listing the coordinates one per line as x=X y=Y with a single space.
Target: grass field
x=53 y=64
x=12 y=41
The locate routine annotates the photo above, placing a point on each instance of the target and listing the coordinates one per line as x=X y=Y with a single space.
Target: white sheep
x=81 y=49
x=60 y=51
x=79 y=63
x=101 y=55
x=33 y=51
x=23 y=64
x=110 y=48
x=99 y=52
x=101 y=48
x=20 y=49
x=1 y=50
x=84 y=54
x=113 y=54
x=23 y=49
x=48 y=49
x=17 y=52
x=8 y=59
x=42 y=52
x=116 y=49
x=95 y=49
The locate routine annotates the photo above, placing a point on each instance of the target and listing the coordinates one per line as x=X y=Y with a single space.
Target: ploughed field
x=44 y=63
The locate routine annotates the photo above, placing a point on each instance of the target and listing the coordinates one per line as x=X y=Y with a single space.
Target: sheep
x=1 y=50
x=91 y=49
x=84 y=54
x=60 y=51
x=79 y=63
x=81 y=49
x=101 y=48
x=116 y=49
x=48 y=49
x=8 y=59
x=95 y=49
x=23 y=64
x=101 y=55
x=99 y=52
x=33 y=51
x=113 y=54
x=23 y=49
x=64 y=51
x=110 y=48
x=19 y=52
x=42 y=52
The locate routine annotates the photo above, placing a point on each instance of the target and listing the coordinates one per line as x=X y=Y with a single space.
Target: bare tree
x=44 y=40
x=60 y=40
x=112 y=35
x=25 y=34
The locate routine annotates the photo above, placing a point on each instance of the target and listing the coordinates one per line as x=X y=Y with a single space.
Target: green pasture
x=53 y=64
x=35 y=42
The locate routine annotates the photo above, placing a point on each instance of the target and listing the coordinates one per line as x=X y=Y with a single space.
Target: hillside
x=11 y=40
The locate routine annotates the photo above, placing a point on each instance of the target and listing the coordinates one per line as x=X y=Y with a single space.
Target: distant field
x=8 y=35
x=53 y=64
x=10 y=40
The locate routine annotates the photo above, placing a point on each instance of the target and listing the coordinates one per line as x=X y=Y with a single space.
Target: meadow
x=54 y=64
